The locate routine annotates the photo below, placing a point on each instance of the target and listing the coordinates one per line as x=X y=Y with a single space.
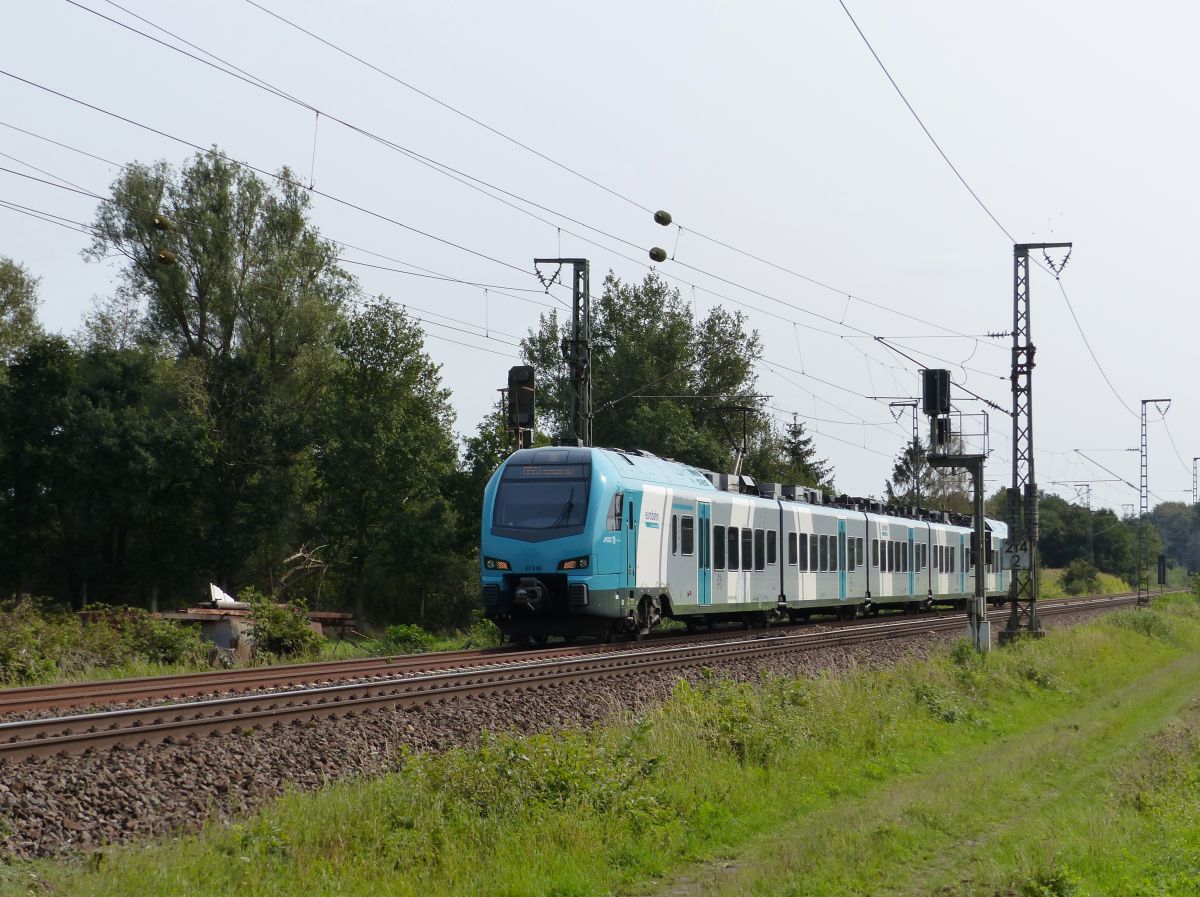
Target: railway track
x=183 y=686
x=470 y=674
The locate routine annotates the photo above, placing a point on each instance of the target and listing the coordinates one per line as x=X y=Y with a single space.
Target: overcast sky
x=767 y=126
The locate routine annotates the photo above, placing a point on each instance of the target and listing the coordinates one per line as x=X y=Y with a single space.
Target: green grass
x=1050 y=584
x=1061 y=766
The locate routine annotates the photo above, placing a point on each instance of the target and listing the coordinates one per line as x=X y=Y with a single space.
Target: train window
x=793 y=558
x=850 y=553
x=760 y=550
x=733 y=548
x=674 y=534
x=718 y=548
x=952 y=554
x=813 y=560
x=747 y=548
x=824 y=553
x=860 y=546
x=772 y=547
x=875 y=553
x=924 y=554
x=904 y=552
x=804 y=551
x=889 y=562
x=614 y=513
x=687 y=535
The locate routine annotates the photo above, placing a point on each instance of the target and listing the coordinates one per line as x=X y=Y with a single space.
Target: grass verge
x=965 y=774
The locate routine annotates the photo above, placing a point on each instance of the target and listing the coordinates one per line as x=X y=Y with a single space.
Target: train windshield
x=544 y=498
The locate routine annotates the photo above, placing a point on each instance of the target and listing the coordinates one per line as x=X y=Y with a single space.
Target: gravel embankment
x=66 y=804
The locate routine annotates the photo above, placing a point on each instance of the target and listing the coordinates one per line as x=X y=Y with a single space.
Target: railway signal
x=522 y=395
x=948 y=451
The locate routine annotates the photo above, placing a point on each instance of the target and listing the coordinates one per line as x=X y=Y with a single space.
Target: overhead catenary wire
x=606 y=188
x=101 y=198
x=974 y=195
x=87 y=229
x=469 y=180
x=425 y=273
x=739 y=286
x=262 y=84
x=265 y=173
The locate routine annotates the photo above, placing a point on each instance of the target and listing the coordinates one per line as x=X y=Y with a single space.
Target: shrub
x=405 y=638
x=1081 y=578
x=39 y=640
x=1147 y=622
x=483 y=633
x=279 y=629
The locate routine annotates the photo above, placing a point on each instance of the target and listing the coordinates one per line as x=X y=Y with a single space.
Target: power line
x=783 y=268
x=66 y=185
x=1174 y=448
x=1086 y=342
x=984 y=206
x=478 y=184
x=502 y=290
x=83 y=228
x=263 y=172
x=99 y=197
x=470 y=181
x=962 y=180
x=453 y=109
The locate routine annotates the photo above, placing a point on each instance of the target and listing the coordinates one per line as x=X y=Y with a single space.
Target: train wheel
x=539 y=640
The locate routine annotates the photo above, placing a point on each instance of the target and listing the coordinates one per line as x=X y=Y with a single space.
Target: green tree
x=18 y=309
x=915 y=481
x=1178 y=523
x=790 y=457
x=482 y=454
x=225 y=272
x=386 y=456
x=100 y=448
x=662 y=380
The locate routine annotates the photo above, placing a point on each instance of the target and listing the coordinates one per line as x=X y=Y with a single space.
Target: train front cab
x=558 y=539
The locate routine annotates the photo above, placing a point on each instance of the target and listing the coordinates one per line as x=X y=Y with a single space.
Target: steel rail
x=187 y=685
x=176 y=723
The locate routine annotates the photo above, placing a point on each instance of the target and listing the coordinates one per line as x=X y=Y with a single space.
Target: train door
x=841 y=558
x=633 y=510
x=912 y=564
x=704 y=552
x=962 y=564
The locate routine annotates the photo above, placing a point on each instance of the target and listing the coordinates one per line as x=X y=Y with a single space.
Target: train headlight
x=496 y=564
x=580 y=563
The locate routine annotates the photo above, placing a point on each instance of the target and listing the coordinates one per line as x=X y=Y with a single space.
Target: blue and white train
x=590 y=541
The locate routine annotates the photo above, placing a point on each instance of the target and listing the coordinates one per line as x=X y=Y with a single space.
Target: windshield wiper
x=565 y=514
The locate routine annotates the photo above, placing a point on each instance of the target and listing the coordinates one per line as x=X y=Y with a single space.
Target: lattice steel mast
x=577 y=352
x=1143 y=596
x=1023 y=496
